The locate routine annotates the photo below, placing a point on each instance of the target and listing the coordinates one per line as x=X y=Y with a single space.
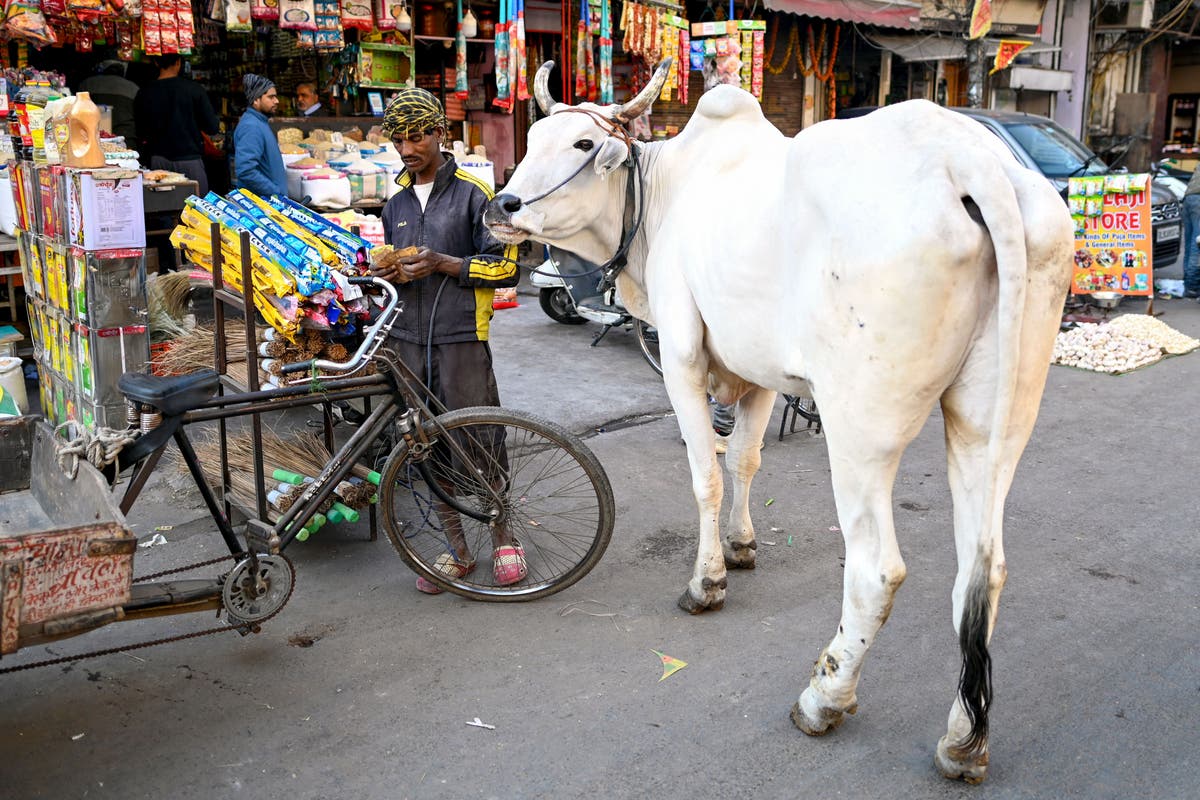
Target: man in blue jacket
x=257 y=161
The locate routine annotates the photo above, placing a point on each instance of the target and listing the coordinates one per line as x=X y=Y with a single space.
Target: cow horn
x=541 y=89
x=638 y=105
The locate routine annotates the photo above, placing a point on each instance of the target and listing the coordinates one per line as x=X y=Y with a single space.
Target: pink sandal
x=449 y=565
x=508 y=564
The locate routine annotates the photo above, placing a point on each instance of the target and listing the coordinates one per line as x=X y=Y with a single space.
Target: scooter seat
x=172 y=395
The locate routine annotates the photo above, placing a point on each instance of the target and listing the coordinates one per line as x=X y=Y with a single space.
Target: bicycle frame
x=396 y=391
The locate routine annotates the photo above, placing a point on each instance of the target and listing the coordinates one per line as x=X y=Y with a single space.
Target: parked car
x=1042 y=144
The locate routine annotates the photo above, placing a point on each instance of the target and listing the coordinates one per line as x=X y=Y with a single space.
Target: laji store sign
x=1113 y=244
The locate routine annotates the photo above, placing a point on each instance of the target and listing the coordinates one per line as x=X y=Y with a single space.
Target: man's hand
x=385 y=262
x=426 y=262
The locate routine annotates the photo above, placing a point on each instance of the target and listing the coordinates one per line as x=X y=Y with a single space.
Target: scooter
x=569 y=292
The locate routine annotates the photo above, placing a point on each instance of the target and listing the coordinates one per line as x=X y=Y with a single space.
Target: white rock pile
x=1120 y=345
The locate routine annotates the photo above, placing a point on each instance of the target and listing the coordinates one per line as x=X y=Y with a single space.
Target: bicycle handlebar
x=371 y=339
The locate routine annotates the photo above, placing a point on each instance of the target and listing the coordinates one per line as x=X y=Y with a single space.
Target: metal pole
x=975 y=73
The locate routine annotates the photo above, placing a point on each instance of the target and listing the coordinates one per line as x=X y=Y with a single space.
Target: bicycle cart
x=452 y=480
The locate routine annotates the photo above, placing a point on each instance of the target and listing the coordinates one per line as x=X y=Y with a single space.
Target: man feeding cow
x=950 y=293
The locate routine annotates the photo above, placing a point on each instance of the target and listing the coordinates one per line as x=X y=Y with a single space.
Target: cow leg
x=967 y=409
x=743 y=459
x=685 y=374
x=863 y=461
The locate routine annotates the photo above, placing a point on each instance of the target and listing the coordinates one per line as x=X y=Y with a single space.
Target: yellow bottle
x=83 y=147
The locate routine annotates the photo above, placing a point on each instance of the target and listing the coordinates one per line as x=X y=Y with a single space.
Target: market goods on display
x=300 y=261
x=650 y=35
x=1126 y=343
x=503 y=101
x=287 y=464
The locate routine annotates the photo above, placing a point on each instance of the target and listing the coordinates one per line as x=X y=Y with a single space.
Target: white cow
x=889 y=263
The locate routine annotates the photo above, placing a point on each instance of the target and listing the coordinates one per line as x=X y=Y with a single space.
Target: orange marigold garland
x=826 y=75
x=794 y=47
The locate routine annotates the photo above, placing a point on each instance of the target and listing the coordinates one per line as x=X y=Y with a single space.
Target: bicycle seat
x=172 y=395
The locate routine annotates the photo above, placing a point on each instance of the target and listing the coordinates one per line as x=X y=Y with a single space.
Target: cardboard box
x=52 y=200
x=105 y=209
x=56 y=267
x=25 y=194
x=108 y=287
x=31 y=264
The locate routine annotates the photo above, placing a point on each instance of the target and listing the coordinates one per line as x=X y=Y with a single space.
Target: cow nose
x=509 y=202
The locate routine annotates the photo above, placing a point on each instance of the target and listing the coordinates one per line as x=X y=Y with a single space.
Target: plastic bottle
x=23 y=143
x=35 y=112
x=83 y=146
x=57 y=129
x=14 y=127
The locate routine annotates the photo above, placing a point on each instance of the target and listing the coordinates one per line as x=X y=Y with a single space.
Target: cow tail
x=986 y=180
x=975 y=675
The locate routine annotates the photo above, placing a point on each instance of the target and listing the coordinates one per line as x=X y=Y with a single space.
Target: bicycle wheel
x=647 y=336
x=556 y=501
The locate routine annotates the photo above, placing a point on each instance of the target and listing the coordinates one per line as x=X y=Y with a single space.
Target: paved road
x=1097 y=668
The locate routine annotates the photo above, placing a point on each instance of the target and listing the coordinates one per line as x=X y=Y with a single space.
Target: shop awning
x=935 y=47
x=905 y=14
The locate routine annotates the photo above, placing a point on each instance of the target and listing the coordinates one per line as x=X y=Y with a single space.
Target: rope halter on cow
x=612 y=125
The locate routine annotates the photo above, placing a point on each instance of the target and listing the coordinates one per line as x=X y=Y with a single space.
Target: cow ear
x=613 y=153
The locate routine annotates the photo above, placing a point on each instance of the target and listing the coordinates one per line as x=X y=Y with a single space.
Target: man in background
x=309 y=102
x=257 y=161
x=110 y=87
x=1191 y=229
x=170 y=115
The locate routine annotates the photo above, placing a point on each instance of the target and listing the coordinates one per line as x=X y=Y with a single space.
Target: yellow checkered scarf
x=413 y=111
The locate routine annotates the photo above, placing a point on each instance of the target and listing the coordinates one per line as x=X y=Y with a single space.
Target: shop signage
x=1006 y=52
x=981 y=19
x=1113 y=244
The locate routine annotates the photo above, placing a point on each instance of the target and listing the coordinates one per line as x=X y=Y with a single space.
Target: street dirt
x=363 y=688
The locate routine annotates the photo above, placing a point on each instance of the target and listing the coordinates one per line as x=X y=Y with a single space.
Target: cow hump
x=722 y=103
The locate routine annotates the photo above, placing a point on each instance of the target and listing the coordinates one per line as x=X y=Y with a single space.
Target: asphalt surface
x=363 y=687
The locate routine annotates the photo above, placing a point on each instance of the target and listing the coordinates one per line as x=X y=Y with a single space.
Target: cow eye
x=584 y=144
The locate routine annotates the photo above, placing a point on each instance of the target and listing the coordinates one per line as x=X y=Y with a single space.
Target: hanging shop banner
x=1007 y=51
x=1113 y=243
x=981 y=19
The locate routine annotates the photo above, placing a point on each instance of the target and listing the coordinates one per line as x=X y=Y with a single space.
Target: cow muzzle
x=510 y=220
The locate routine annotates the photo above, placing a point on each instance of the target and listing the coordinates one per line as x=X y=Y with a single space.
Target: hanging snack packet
x=384 y=20
x=357 y=14
x=26 y=21
x=297 y=15
x=264 y=9
x=237 y=16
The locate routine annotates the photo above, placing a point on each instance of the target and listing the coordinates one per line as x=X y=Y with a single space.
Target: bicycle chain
x=255 y=628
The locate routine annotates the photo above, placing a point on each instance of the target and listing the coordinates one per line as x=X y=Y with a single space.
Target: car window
x=1056 y=152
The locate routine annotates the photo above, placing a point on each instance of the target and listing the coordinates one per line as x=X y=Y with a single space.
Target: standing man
x=170 y=115
x=1191 y=229
x=447 y=288
x=110 y=87
x=309 y=102
x=256 y=157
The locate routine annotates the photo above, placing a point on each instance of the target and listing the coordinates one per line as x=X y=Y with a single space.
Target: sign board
x=1113 y=242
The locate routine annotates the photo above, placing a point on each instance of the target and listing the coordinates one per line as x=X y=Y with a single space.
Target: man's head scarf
x=413 y=111
x=255 y=86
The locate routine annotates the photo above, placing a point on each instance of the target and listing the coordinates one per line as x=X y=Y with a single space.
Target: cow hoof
x=955 y=765
x=812 y=719
x=712 y=597
x=739 y=555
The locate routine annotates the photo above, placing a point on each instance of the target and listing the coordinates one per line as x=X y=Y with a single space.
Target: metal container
x=16 y=448
x=104 y=355
x=108 y=287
